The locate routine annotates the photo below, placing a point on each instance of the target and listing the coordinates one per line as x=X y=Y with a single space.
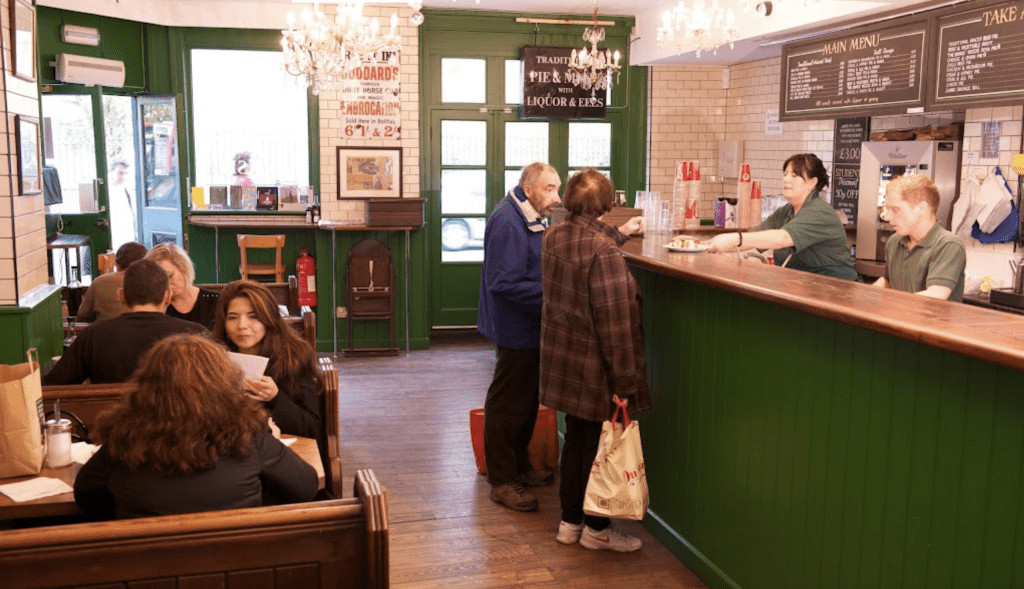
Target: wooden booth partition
x=790 y=449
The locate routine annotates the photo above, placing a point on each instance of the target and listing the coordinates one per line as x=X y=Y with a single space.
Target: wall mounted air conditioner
x=91 y=71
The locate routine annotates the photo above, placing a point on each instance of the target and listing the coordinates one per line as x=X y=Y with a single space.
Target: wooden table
x=64 y=504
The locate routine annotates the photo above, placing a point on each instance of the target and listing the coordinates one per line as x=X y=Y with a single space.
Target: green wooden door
x=477 y=143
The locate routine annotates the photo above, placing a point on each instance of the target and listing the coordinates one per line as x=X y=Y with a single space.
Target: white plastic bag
x=998 y=202
x=618 y=481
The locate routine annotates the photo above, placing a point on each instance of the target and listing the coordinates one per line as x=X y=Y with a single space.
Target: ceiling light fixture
x=700 y=28
x=325 y=51
x=593 y=70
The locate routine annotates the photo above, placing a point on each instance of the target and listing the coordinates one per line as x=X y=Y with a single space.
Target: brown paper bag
x=21 y=418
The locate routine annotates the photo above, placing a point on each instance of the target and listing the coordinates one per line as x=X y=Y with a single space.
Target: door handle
x=103 y=224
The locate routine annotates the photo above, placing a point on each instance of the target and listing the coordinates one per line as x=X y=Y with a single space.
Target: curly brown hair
x=187 y=408
x=292 y=360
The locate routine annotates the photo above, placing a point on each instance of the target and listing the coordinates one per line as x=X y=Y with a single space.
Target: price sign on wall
x=849 y=134
x=371 y=101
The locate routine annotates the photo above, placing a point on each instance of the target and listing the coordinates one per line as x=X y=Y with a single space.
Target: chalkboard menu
x=980 y=55
x=849 y=134
x=859 y=70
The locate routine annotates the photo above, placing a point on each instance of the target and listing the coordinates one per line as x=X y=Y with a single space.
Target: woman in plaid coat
x=591 y=344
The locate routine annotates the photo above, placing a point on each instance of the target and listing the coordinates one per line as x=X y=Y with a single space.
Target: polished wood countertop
x=977 y=332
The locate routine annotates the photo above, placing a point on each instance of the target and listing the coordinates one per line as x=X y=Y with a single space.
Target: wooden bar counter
x=811 y=432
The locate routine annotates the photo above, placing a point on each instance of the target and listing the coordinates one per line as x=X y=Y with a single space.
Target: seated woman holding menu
x=806 y=234
x=188 y=301
x=249 y=322
x=187 y=439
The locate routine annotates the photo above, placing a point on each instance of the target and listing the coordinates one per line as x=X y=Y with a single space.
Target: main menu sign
x=548 y=92
x=858 y=71
x=980 y=55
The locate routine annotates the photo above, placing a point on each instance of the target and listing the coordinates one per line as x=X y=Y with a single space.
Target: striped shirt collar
x=534 y=222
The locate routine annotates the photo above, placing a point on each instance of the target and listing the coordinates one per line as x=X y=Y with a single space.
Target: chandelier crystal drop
x=592 y=70
x=700 y=28
x=325 y=51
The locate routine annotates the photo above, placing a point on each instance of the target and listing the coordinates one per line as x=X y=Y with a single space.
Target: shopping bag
x=21 y=418
x=543 y=449
x=618 y=481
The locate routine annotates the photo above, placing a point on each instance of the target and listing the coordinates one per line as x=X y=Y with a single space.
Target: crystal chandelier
x=325 y=51
x=592 y=70
x=702 y=28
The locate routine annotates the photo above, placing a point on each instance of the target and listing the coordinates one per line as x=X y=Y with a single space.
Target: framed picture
x=29 y=177
x=23 y=39
x=369 y=172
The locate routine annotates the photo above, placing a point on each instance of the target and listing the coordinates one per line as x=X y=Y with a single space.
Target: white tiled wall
x=331 y=134
x=23 y=266
x=690 y=112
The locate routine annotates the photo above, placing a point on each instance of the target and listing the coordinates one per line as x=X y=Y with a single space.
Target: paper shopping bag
x=21 y=418
x=618 y=482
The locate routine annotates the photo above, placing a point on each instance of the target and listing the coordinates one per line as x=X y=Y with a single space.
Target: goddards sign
x=548 y=92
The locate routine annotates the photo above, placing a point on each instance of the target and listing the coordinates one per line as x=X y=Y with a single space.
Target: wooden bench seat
x=338 y=543
x=86 y=401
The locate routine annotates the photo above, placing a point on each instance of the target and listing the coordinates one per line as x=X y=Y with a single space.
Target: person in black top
x=249 y=322
x=187 y=439
x=188 y=301
x=109 y=350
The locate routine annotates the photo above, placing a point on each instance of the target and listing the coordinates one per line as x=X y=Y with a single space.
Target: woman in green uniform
x=806 y=233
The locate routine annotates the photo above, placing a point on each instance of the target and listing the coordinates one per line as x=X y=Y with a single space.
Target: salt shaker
x=58 y=443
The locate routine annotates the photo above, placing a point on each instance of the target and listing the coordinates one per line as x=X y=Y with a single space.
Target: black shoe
x=536 y=478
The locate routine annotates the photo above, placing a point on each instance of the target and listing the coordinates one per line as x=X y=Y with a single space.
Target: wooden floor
x=407 y=417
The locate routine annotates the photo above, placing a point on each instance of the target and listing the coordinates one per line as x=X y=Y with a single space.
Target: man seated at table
x=922 y=257
x=110 y=350
x=101 y=301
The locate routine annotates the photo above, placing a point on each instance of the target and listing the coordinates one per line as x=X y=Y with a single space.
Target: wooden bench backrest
x=286 y=293
x=339 y=543
x=85 y=401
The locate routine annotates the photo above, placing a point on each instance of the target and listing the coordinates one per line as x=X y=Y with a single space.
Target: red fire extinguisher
x=305 y=267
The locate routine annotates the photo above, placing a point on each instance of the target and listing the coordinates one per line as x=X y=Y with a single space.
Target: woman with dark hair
x=591 y=345
x=249 y=322
x=806 y=233
x=187 y=439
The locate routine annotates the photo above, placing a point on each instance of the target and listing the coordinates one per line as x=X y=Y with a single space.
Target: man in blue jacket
x=510 y=307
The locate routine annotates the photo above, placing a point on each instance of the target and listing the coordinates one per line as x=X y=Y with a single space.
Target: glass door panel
x=590 y=145
x=71 y=150
x=161 y=210
x=464 y=80
x=122 y=173
x=463 y=190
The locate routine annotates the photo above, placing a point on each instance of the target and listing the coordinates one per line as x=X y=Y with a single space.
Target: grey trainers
x=569 y=533
x=535 y=478
x=609 y=539
x=513 y=496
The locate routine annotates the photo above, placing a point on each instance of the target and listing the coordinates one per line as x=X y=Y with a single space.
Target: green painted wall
x=788 y=450
x=32 y=326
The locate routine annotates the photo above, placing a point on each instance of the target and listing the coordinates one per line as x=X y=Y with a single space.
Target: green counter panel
x=35 y=326
x=788 y=450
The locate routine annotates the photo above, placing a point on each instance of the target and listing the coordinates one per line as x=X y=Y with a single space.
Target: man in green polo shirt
x=922 y=257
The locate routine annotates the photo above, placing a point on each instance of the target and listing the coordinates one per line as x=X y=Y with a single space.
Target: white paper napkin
x=36 y=488
x=81 y=452
x=287 y=441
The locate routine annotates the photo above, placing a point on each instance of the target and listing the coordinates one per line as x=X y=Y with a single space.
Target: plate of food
x=686 y=245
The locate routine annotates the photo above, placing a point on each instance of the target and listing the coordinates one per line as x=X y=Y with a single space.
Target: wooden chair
x=106 y=263
x=370 y=293
x=274 y=242
x=339 y=543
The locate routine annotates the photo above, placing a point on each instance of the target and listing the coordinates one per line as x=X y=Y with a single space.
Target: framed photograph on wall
x=369 y=172
x=29 y=176
x=23 y=39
